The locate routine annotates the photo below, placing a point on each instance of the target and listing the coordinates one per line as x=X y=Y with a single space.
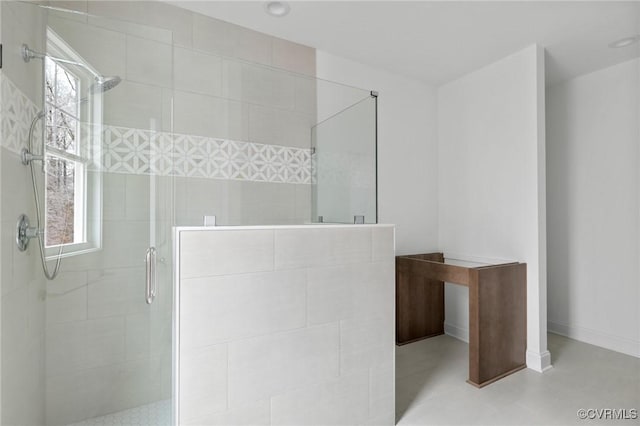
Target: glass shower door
x=108 y=359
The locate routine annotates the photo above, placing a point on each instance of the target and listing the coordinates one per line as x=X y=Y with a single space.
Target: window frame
x=86 y=159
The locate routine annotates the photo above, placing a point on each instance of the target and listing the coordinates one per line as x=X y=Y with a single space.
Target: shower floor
x=154 y=414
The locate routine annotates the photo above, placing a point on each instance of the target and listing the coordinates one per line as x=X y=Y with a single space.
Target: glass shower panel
x=243 y=136
x=117 y=348
x=344 y=165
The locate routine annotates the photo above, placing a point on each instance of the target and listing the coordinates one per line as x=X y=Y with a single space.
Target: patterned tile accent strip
x=16 y=113
x=143 y=152
x=138 y=151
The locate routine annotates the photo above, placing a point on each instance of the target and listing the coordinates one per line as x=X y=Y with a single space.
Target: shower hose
x=50 y=275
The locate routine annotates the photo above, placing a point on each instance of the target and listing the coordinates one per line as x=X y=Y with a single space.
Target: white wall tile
x=65 y=347
x=149 y=62
x=382 y=391
x=334 y=292
x=223 y=38
x=7 y=239
x=130 y=384
x=153 y=14
x=23 y=401
x=113 y=196
x=124 y=27
x=202 y=115
x=14 y=327
x=380 y=290
x=138 y=336
x=383 y=244
x=67 y=297
x=232 y=307
x=143 y=105
x=116 y=292
x=225 y=252
x=95 y=392
x=67 y=398
x=72 y=346
x=258 y=85
x=137 y=194
x=316 y=247
x=36 y=313
x=203 y=382
x=344 y=401
x=22 y=23
x=366 y=342
x=303 y=203
x=197 y=72
x=116 y=253
x=267 y=365
x=102 y=48
x=293 y=56
x=306 y=96
x=17 y=196
x=196 y=197
x=251 y=414
x=279 y=127
x=346 y=291
x=384 y=420
x=299 y=369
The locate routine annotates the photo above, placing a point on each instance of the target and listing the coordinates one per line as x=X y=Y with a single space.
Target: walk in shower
x=193 y=123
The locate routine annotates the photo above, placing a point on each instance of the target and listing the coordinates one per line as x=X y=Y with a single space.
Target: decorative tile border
x=137 y=151
x=16 y=113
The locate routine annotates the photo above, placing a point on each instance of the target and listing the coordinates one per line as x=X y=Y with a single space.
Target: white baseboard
x=597 y=338
x=539 y=362
x=457 y=332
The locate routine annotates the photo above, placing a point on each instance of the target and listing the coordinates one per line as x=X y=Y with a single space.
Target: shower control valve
x=24 y=232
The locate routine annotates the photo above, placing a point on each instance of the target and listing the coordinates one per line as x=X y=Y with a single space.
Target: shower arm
x=28 y=54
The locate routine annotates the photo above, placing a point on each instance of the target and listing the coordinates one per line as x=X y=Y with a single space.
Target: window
x=70 y=188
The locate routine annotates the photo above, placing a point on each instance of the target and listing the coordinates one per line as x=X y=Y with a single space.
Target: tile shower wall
x=288 y=325
x=99 y=339
x=211 y=102
x=103 y=354
x=21 y=282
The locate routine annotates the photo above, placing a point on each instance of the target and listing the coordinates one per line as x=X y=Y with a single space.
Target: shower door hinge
x=374 y=93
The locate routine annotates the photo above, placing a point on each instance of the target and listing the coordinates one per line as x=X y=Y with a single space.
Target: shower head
x=103 y=84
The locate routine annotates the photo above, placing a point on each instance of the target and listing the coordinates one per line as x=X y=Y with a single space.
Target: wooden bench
x=497 y=310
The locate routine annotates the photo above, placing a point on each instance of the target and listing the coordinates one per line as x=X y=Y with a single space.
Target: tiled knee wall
x=285 y=325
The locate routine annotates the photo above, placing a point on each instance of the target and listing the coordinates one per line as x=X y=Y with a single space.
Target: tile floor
x=431 y=387
x=154 y=414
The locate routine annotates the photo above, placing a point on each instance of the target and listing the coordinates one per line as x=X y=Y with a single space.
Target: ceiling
x=438 y=42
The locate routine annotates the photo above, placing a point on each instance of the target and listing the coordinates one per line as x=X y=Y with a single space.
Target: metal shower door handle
x=151 y=289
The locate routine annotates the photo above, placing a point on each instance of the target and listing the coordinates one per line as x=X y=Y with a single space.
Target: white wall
x=491 y=181
x=407 y=149
x=593 y=214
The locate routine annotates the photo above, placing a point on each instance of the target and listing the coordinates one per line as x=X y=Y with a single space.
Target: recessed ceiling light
x=277 y=8
x=624 y=42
